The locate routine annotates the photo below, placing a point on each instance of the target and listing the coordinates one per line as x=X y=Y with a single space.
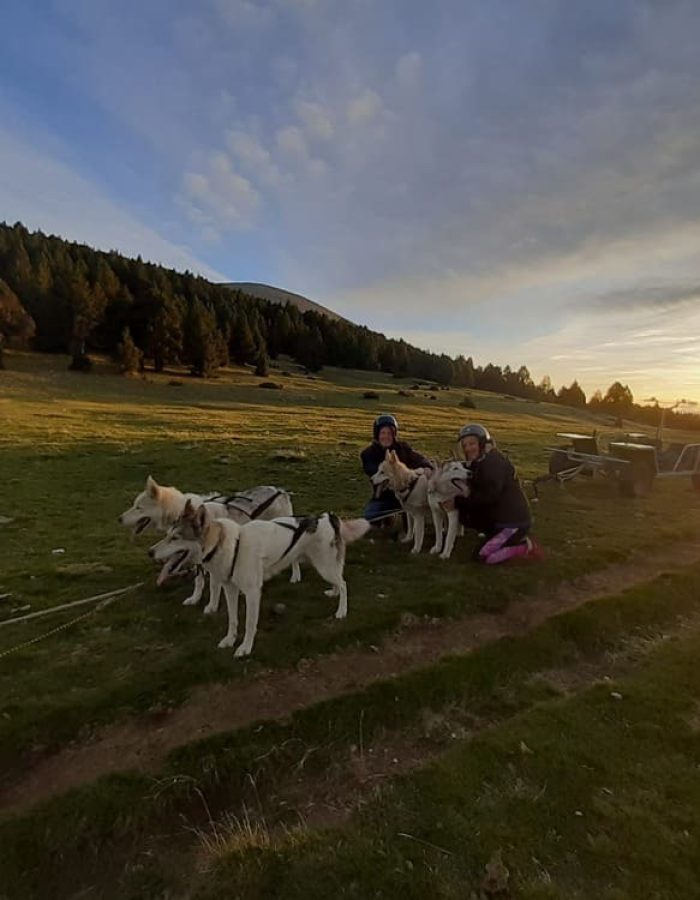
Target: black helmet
x=477 y=431
x=386 y=419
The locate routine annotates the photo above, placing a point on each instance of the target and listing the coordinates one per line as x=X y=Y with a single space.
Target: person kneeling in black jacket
x=496 y=506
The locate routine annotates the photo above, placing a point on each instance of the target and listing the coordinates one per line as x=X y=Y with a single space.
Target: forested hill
x=278 y=295
x=59 y=296
x=80 y=299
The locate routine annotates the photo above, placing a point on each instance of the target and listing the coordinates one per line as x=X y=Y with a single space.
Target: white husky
x=241 y=558
x=158 y=507
x=445 y=482
x=410 y=487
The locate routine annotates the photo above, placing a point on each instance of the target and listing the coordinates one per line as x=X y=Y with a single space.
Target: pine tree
x=203 y=344
x=15 y=321
x=129 y=356
x=572 y=395
x=262 y=367
x=87 y=304
x=309 y=351
x=619 y=399
x=544 y=389
x=243 y=346
x=164 y=331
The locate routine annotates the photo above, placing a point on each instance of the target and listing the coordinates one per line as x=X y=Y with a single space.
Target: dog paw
x=341 y=615
x=191 y=601
x=435 y=549
x=210 y=610
x=444 y=556
x=415 y=549
x=296 y=578
x=228 y=641
x=242 y=651
x=331 y=592
x=406 y=539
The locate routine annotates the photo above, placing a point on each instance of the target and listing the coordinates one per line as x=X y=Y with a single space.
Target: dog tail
x=353 y=529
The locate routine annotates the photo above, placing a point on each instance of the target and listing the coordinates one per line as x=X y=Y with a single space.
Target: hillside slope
x=278 y=295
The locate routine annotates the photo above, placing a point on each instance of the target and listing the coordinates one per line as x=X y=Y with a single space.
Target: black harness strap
x=265 y=504
x=307 y=525
x=285 y=525
x=337 y=540
x=214 y=550
x=230 y=505
x=406 y=492
x=235 y=557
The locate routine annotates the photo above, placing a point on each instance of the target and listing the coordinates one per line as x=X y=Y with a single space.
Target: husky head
x=146 y=510
x=181 y=548
x=451 y=479
x=392 y=473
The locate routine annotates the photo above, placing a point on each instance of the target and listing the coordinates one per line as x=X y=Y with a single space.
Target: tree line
x=60 y=296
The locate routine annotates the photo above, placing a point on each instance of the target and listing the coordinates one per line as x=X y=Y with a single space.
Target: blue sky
x=518 y=180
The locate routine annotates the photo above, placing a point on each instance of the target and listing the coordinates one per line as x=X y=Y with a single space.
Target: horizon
x=516 y=183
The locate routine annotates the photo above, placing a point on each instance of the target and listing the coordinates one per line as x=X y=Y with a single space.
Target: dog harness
x=405 y=493
x=231 y=501
x=214 y=550
x=235 y=557
x=307 y=525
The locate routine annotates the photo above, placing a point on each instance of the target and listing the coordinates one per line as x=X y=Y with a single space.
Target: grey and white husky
x=241 y=558
x=158 y=507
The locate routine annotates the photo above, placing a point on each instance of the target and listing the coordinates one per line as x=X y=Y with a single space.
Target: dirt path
x=142 y=744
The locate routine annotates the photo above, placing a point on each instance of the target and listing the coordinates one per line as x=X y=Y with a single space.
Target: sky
x=516 y=180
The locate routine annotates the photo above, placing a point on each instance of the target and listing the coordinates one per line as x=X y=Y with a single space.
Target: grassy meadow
x=75 y=449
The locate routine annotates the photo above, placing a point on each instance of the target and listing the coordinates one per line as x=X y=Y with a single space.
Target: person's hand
x=448 y=505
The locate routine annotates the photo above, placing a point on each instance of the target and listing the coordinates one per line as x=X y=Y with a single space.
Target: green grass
x=75 y=450
x=133 y=821
x=604 y=803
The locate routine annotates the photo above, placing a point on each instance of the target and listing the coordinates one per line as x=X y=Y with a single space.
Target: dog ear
x=188 y=511
x=387 y=456
x=152 y=486
x=200 y=516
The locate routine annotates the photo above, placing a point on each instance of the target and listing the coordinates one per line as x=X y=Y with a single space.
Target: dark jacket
x=496 y=499
x=375 y=454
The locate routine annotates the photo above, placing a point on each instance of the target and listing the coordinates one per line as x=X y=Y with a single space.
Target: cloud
x=44 y=192
x=245 y=13
x=663 y=296
x=316 y=119
x=514 y=203
x=365 y=107
x=408 y=69
x=291 y=140
x=253 y=157
x=219 y=198
x=317 y=168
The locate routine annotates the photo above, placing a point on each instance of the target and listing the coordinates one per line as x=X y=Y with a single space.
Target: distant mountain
x=277 y=295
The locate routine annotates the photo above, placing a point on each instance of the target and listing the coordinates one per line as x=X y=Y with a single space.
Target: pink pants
x=494 y=550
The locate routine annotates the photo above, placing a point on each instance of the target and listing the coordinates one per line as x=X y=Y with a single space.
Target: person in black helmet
x=385 y=430
x=496 y=506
